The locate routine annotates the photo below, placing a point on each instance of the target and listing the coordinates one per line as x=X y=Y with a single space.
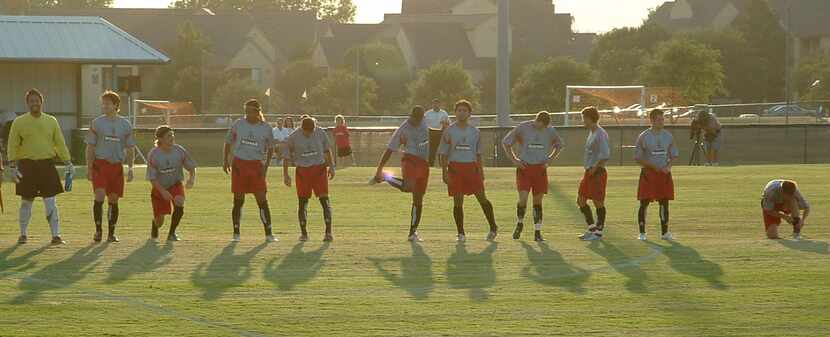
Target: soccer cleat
x=97 y=236
x=667 y=236
x=56 y=240
x=173 y=237
x=586 y=235
x=373 y=181
x=112 y=238
x=271 y=238
x=593 y=237
x=491 y=236
x=518 y=232
x=796 y=236
x=22 y=240
x=642 y=237
x=328 y=237
x=460 y=238
x=538 y=237
x=303 y=237
x=154 y=239
x=415 y=238
x=236 y=238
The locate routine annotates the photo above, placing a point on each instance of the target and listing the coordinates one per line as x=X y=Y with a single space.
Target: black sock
x=236 y=214
x=416 y=218
x=154 y=229
x=589 y=217
x=664 y=216
x=178 y=212
x=265 y=217
x=487 y=207
x=98 y=214
x=520 y=214
x=458 y=214
x=325 y=203
x=600 y=218
x=641 y=216
x=112 y=216
x=302 y=215
x=537 y=216
x=395 y=182
x=796 y=225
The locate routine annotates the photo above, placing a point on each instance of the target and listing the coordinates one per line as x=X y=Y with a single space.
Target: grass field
x=719 y=278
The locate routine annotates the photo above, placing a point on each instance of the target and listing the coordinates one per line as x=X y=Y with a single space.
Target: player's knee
x=581 y=202
x=100 y=195
x=112 y=198
x=772 y=232
x=179 y=201
x=599 y=204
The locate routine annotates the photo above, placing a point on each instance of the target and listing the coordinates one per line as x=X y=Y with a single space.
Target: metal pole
x=114 y=84
x=567 y=105
x=202 y=89
x=787 y=69
x=503 y=68
x=805 y=143
x=357 y=82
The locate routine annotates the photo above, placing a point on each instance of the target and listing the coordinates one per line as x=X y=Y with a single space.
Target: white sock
x=52 y=216
x=539 y=226
x=25 y=216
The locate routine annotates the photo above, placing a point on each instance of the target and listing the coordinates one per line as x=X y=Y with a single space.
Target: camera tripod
x=698 y=150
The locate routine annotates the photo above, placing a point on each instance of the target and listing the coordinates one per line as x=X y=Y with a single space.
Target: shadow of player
x=297 y=267
x=818 y=247
x=472 y=271
x=225 y=271
x=688 y=261
x=61 y=274
x=547 y=267
x=146 y=258
x=22 y=263
x=626 y=265
x=416 y=272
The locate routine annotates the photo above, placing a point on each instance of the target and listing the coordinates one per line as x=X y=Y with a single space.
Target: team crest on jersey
x=535 y=146
x=112 y=139
x=463 y=147
x=308 y=154
x=424 y=143
x=168 y=170
x=249 y=142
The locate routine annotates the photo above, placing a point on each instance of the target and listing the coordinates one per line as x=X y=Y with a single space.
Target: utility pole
x=503 y=67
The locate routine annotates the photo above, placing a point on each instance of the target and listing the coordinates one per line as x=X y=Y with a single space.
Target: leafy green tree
x=688 y=65
x=335 y=94
x=765 y=35
x=447 y=81
x=70 y=4
x=297 y=78
x=812 y=78
x=619 y=53
x=342 y=11
x=542 y=85
x=384 y=63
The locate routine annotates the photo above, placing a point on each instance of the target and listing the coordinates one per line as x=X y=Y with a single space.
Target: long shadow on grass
x=818 y=247
x=416 y=272
x=145 y=259
x=472 y=271
x=547 y=267
x=24 y=262
x=296 y=267
x=687 y=260
x=225 y=271
x=623 y=264
x=61 y=274
x=566 y=202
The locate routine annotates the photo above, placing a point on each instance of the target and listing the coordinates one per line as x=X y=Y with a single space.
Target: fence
x=743 y=144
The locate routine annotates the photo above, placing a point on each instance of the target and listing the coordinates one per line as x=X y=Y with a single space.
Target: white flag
x=268 y=92
x=305 y=94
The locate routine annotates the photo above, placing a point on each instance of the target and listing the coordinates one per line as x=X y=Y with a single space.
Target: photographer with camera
x=707 y=126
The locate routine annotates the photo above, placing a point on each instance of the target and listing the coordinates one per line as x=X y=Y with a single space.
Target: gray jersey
x=535 y=145
x=655 y=148
x=250 y=141
x=167 y=167
x=110 y=136
x=307 y=150
x=596 y=148
x=774 y=194
x=461 y=145
x=413 y=139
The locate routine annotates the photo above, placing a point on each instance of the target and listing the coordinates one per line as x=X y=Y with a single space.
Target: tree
x=740 y=70
x=70 y=4
x=297 y=78
x=447 y=81
x=384 y=63
x=182 y=78
x=519 y=59
x=342 y=11
x=542 y=85
x=335 y=94
x=812 y=79
x=229 y=97
x=686 y=64
x=619 y=66
x=619 y=53
x=763 y=32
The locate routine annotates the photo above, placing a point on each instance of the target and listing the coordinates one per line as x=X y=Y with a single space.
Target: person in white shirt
x=437 y=120
x=277 y=131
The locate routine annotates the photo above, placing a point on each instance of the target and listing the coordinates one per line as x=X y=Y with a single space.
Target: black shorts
x=344 y=151
x=40 y=179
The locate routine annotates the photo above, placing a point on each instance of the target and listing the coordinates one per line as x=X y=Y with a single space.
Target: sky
x=590 y=15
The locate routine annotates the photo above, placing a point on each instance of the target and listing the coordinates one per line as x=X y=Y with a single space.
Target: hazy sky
x=591 y=15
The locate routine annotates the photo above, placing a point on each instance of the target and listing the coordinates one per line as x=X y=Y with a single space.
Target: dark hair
x=161 y=131
x=543 y=117
x=287 y=120
x=309 y=124
x=113 y=97
x=464 y=102
x=655 y=112
x=417 y=109
x=34 y=92
x=591 y=113
x=255 y=104
x=789 y=187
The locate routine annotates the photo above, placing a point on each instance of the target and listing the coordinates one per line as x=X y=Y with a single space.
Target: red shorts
x=533 y=178
x=655 y=185
x=312 y=179
x=246 y=176
x=465 y=179
x=108 y=176
x=771 y=220
x=161 y=206
x=417 y=170
x=592 y=187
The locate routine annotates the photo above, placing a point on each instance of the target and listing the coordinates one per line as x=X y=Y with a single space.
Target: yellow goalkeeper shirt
x=36 y=138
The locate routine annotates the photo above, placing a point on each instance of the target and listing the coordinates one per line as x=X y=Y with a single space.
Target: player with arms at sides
x=592 y=186
x=655 y=151
x=412 y=139
x=539 y=144
x=783 y=200
x=462 y=169
x=342 y=141
x=247 y=153
x=165 y=165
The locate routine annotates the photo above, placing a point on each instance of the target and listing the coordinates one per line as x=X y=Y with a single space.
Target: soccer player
x=413 y=137
x=712 y=137
x=462 y=168
x=342 y=141
x=35 y=140
x=109 y=145
x=655 y=152
x=592 y=186
x=539 y=144
x=783 y=200
x=249 y=146
x=437 y=120
x=308 y=147
x=165 y=164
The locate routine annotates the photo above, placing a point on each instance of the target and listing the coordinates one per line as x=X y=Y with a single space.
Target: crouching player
x=164 y=171
x=783 y=200
x=592 y=186
x=539 y=144
x=655 y=151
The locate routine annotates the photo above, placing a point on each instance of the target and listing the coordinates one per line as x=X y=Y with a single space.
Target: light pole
x=503 y=68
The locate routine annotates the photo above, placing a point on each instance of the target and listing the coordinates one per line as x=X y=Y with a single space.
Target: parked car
x=794 y=110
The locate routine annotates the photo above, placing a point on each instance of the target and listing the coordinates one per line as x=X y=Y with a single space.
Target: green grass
x=720 y=278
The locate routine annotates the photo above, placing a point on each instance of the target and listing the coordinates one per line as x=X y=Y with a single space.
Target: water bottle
x=67 y=186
